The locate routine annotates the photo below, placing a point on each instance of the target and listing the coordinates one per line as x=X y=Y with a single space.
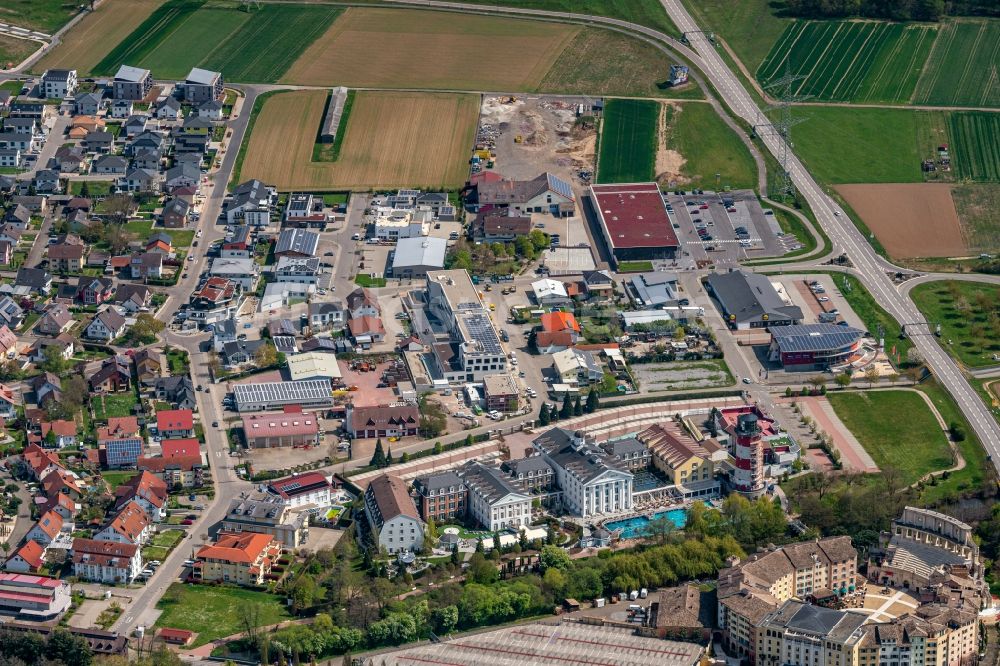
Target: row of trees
x=895 y=10
x=571 y=407
x=59 y=648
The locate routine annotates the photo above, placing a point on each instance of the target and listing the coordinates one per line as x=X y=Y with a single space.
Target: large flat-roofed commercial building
x=546 y=643
x=472 y=350
x=307 y=393
x=278 y=429
x=813 y=346
x=749 y=300
x=634 y=221
x=415 y=256
x=33 y=596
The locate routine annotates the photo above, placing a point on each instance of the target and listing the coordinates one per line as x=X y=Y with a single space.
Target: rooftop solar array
x=481 y=330
x=303 y=391
x=814 y=337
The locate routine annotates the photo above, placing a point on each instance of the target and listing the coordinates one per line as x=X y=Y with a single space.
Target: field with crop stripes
x=962 y=67
x=851 y=61
x=628 y=141
x=148 y=35
x=975 y=147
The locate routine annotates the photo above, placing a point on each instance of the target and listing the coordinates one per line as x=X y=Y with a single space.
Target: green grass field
x=975 y=147
x=978 y=207
x=962 y=67
x=628 y=141
x=115 y=478
x=839 y=144
x=915 y=445
x=968 y=314
x=709 y=147
x=214 y=612
x=221 y=37
x=851 y=61
x=42 y=15
x=649 y=13
x=113 y=405
x=749 y=27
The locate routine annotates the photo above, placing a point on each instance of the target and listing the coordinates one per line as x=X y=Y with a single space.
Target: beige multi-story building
x=800 y=634
x=934 y=635
x=264 y=513
x=244 y=559
x=683 y=460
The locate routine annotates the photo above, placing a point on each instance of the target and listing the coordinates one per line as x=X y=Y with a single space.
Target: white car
x=823 y=299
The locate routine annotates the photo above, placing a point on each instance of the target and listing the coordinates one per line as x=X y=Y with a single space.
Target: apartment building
x=392 y=516
x=105 y=561
x=264 y=513
x=442 y=496
x=244 y=559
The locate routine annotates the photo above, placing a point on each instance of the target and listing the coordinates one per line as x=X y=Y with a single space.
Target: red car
x=703 y=206
x=187 y=521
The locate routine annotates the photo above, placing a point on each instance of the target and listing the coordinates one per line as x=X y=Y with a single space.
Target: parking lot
x=729 y=233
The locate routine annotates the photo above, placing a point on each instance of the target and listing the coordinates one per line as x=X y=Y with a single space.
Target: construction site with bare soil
x=525 y=136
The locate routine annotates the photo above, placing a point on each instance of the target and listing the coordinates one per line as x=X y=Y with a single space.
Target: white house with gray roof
x=494 y=501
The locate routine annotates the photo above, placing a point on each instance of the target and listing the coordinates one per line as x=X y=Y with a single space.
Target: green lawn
x=42 y=15
x=112 y=405
x=840 y=144
x=974 y=473
x=967 y=312
x=180 y=238
x=95 y=188
x=365 y=280
x=214 y=612
x=115 y=478
x=628 y=141
x=750 y=27
x=914 y=445
x=13 y=50
x=645 y=12
x=179 y=363
x=142 y=228
x=168 y=538
x=635 y=266
x=154 y=553
x=709 y=147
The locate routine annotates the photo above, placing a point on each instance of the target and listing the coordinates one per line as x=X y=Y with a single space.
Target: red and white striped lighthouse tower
x=749 y=458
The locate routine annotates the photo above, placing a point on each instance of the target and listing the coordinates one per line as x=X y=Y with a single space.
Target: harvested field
x=910 y=220
x=90 y=40
x=979 y=213
x=391 y=140
x=401 y=48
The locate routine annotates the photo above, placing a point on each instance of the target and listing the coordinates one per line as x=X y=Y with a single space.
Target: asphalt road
x=871 y=268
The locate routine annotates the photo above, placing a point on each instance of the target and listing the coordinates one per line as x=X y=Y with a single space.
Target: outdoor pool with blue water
x=635 y=527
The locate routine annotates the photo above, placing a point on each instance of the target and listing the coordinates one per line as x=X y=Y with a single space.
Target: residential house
x=558 y=328
x=494 y=228
x=168 y=109
x=27 y=126
x=576 y=366
x=362 y=303
x=181 y=175
x=66 y=257
x=175 y=423
x=61 y=482
x=175 y=213
x=58 y=83
x=133 y=297
x=398 y=420
x=139 y=180
x=109 y=165
x=185 y=471
x=251 y=204
x=240 y=352
x=8 y=342
x=132 y=83
x=147 y=158
x=543 y=194
x=63 y=344
x=11 y=314
x=62 y=504
x=298 y=271
x=146 y=265
x=263 y=513
x=146 y=490
x=598 y=284
x=148 y=366
x=100 y=142
x=306 y=489
x=107 y=325
x=238 y=244
x=63 y=433
x=39 y=463
x=10 y=158
x=17 y=216
x=39 y=281
x=178 y=391
x=211 y=110
x=46 y=387
x=392 y=516
x=161 y=243
x=105 y=561
x=25 y=108
x=217 y=300
x=95 y=290
x=550 y=293
x=47 y=181
x=8 y=403
x=145 y=141
x=244 y=272
x=296 y=243
x=366 y=330
x=244 y=559
x=68 y=159
x=202 y=85
x=88 y=103
x=121 y=108
x=131 y=525
x=46 y=530
x=114 y=375
x=55 y=320
x=29 y=558
x=323 y=316
x=136 y=124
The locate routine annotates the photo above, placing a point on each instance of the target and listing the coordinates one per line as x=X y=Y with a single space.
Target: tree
x=914 y=357
x=481 y=570
x=145 y=329
x=843 y=380
x=388 y=457
x=53 y=361
x=378 y=458
x=577 y=406
x=593 y=401
x=659 y=529
x=433 y=420
x=543 y=415
x=554 y=557
x=85 y=189
x=872 y=375
x=817 y=381
x=444 y=619
x=567 y=408
x=456 y=557
x=266 y=356
x=248 y=615
x=431 y=530
x=304 y=592
x=118 y=207
x=117 y=237
x=468 y=440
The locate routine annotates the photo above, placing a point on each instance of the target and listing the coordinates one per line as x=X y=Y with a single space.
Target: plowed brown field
x=96 y=34
x=392 y=139
x=910 y=220
x=392 y=48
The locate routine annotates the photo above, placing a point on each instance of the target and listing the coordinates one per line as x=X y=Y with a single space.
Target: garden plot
x=682 y=375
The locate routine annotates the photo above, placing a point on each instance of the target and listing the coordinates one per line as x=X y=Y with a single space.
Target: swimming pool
x=635 y=527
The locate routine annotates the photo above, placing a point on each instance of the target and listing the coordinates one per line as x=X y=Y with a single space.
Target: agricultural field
x=635 y=71
x=697 y=144
x=649 y=13
x=95 y=34
x=749 y=27
x=628 y=141
x=975 y=147
x=391 y=139
x=910 y=220
x=41 y=15
x=401 y=48
x=967 y=314
x=962 y=67
x=914 y=446
x=851 y=61
x=14 y=50
x=220 y=36
x=978 y=207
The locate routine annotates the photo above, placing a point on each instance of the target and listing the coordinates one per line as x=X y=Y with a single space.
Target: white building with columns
x=494 y=501
x=592 y=482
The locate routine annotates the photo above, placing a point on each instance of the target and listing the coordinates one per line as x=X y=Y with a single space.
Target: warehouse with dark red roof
x=634 y=221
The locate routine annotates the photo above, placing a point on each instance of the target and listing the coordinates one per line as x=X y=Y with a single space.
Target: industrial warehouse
x=634 y=221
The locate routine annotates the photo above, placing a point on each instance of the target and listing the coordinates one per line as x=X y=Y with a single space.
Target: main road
x=871 y=269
